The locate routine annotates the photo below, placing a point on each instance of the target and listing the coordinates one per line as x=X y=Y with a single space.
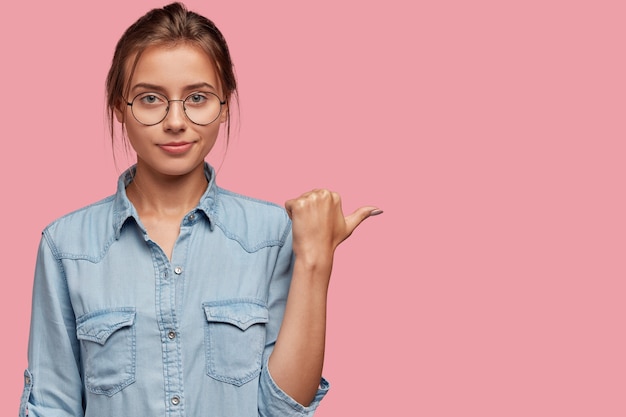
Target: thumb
x=360 y=214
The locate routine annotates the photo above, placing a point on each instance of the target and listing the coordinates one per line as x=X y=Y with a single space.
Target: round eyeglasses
x=201 y=108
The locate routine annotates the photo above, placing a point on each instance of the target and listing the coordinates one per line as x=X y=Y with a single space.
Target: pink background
x=491 y=133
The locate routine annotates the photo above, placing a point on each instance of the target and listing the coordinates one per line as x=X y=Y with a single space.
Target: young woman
x=175 y=297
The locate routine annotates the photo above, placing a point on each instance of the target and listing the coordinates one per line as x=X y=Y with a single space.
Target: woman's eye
x=196 y=98
x=151 y=99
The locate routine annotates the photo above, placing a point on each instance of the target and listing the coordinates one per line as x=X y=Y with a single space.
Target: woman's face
x=176 y=146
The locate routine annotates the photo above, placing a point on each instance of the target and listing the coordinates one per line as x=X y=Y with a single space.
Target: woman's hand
x=319 y=225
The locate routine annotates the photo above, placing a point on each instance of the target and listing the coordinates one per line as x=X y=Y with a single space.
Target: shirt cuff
x=273 y=401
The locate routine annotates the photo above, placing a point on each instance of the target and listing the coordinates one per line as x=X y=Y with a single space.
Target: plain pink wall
x=492 y=134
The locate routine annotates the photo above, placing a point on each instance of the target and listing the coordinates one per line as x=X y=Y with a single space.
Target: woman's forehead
x=178 y=66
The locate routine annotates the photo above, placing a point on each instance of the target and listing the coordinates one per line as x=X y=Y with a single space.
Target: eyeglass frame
x=167 y=110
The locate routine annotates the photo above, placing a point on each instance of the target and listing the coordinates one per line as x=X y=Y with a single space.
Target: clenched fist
x=319 y=225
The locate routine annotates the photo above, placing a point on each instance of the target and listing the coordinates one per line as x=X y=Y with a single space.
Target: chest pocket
x=108 y=347
x=235 y=339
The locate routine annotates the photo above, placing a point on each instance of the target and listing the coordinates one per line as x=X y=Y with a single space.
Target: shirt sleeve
x=273 y=401
x=52 y=382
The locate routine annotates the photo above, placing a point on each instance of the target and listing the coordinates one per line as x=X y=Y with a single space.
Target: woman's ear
x=120 y=110
x=224 y=114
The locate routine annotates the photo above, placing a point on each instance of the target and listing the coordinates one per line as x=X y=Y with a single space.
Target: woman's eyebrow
x=199 y=85
x=154 y=87
x=147 y=86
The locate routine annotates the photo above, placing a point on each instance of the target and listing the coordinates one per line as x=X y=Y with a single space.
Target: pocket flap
x=99 y=325
x=242 y=313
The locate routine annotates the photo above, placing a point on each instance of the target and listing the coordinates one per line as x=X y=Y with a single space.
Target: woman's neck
x=157 y=195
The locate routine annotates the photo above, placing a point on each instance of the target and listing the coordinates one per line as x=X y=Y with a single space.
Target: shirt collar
x=123 y=209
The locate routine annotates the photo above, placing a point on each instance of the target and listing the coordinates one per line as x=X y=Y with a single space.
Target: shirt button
x=171 y=335
x=178 y=270
x=175 y=400
x=192 y=217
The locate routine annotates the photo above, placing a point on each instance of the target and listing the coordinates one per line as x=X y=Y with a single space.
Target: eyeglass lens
x=201 y=108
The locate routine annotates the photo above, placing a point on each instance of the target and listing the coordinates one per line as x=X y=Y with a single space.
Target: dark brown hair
x=170 y=25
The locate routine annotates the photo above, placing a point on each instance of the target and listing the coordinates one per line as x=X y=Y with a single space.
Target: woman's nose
x=176 y=119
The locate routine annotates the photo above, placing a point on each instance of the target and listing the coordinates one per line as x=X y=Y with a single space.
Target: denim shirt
x=119 y=330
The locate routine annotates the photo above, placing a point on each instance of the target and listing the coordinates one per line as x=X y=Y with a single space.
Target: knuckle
x=324 y=193
x=300 y=203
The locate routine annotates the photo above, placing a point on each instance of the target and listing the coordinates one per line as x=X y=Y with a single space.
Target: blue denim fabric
x=118 y=330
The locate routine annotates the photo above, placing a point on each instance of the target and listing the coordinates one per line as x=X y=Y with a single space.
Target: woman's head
x=170 y=26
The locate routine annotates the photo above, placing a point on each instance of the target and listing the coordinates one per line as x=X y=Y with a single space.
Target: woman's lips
x=176 y=147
